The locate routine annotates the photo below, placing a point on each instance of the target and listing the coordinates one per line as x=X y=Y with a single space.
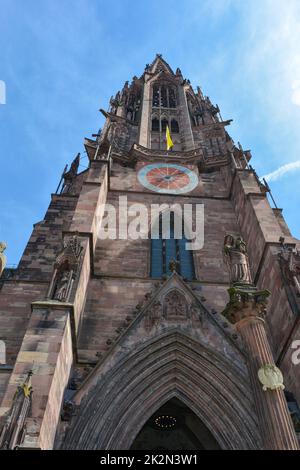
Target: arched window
x=155 y=125
x=172 y=98
x=164 y=124
x=156 y=95
x=174 y=126
x=165 y=250
x=164 y=96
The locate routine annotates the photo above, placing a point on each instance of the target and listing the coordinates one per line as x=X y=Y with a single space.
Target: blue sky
x=61 y=61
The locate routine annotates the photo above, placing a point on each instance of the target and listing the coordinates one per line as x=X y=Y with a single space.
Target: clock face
x=168 y=178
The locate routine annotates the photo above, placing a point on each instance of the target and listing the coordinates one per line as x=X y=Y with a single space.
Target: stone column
x=185 y=121
x=145 y=115
x=246 y=309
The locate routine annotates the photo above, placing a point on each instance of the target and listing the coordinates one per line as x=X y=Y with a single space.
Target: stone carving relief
x=270 y=377
x=65 y=270
x=175 y=305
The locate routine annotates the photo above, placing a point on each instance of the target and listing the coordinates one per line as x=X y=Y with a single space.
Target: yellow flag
x=168 y=138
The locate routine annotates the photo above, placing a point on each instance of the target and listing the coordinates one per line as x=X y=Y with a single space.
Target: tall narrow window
x=156 y=96
x=164 y=97
x=164 y=250
x=174 y=126
x=155 y=125
x=172 y=98
x=164 y=124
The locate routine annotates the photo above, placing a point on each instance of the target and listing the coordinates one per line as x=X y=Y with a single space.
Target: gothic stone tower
x=142 y=343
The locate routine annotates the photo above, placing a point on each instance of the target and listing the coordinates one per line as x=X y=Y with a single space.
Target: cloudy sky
x=61 y=61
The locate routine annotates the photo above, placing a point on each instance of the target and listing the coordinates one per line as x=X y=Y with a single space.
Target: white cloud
x=296 y=92
x=289 y=167
x=296 y=97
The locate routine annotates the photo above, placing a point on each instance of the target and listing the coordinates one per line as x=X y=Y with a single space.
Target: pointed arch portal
x=174 y=426
x=134 y=386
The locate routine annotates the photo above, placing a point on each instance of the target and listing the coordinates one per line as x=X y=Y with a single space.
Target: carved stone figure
x=2 y=257
x=68 y=410
x=13 y=431
x=115 y=103
x=175 y=305
x=289 y=262
x=70 y=176
x=62 y=286
x=236 y=258
x=65 y=270
x=270 y=377
x=294 y=269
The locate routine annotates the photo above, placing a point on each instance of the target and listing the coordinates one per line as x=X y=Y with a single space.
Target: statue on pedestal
x=236 y=258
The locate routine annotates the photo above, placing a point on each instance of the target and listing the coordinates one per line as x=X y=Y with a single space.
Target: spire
x=159 y=65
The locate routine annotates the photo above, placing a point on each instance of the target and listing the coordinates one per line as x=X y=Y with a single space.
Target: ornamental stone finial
x=173 y=265
x=2 y=256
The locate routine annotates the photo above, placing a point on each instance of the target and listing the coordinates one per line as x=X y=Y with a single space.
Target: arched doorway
x=127 y=393
x=174 y=426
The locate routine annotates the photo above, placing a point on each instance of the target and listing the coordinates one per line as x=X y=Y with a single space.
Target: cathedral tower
x=156 y=306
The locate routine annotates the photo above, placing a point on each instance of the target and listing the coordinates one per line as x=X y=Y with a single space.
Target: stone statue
x=13 y=431
x=2 y=257
x=294 y=268
x=65 y=270
x=70 y=176
x=115 y=102
x=236 y=258
x=62 y=286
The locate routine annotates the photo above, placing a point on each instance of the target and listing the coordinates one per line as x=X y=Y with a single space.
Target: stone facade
x=116 y=344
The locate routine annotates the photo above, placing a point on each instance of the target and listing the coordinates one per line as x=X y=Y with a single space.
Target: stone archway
x=174 y=426
x=172 y=365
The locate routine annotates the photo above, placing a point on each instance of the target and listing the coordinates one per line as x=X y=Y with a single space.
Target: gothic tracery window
x=164 y=96
x=164 y=124
x=156 y=96
x=174 y=126
x=155 y=125
x=164 y=250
